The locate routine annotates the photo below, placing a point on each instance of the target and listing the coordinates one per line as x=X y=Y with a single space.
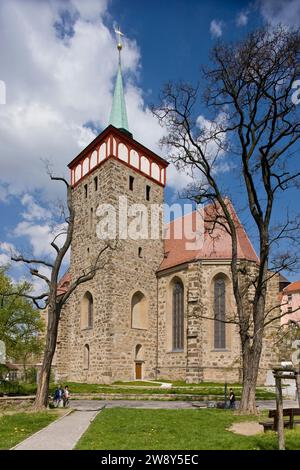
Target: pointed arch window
x=219 y=313
x=178 y=316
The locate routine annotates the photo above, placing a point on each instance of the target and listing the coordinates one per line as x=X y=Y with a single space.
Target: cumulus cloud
x=33 y=210
x=242 y=19
x=38 y=226
x=6 y=251
x=286 y=12
x=59 y=69
x=216 y=28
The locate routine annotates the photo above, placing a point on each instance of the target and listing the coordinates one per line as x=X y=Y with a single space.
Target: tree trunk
x=298 y=385
x=251 y=358
x=42 y=394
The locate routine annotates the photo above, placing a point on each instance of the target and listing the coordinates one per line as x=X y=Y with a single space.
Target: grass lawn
x=133 y=429
x=129 y=388
x=14 y=428
x=145 y=388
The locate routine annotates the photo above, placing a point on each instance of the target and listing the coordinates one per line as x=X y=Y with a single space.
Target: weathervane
x=119 y=41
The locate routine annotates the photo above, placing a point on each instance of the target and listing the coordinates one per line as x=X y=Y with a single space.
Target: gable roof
x=125 y=137
x=216 y=242
x=293 y=287
x=64 y=283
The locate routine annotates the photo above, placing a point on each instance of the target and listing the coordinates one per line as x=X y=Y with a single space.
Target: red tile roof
x=64 y=283
x=216 y=243
x=293 y=287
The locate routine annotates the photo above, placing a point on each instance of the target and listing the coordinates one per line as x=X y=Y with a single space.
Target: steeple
x=118 y=114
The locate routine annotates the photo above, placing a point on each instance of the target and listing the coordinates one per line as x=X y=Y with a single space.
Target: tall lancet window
x=219 y=313
x=178 y=316
x=87 y=311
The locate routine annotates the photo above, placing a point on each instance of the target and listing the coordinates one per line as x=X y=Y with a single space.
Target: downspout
x=156 y=365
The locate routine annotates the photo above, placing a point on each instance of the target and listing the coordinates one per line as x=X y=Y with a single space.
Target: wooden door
x=138 y=370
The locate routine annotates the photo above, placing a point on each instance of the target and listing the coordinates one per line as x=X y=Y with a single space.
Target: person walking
x=56 y=397
x=66 y=397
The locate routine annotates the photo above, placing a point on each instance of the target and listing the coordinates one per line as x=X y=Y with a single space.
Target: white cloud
x=39 y=226
x=61 y=77
x=6 y=251
x=33 y=210
x=286 y=12
x=216 y=28
x=214 y=148
x=242 y=19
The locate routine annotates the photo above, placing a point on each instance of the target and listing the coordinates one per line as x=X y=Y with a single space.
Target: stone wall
x=131 y=267
x=112 y=341
x=199 y=360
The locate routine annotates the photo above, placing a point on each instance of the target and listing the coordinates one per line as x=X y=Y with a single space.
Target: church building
x=154 y=310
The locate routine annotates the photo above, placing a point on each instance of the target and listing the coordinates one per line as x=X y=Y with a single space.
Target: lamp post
x=225 y=394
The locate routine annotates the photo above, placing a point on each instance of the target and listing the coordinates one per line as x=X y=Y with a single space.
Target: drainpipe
x=156 y=365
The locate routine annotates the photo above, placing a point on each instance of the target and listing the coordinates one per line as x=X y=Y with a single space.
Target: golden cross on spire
x=119 y=35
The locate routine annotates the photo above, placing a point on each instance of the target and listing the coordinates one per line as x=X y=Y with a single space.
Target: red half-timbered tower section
x=117 y=144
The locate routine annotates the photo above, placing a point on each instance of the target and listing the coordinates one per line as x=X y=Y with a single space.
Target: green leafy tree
x=21 y=325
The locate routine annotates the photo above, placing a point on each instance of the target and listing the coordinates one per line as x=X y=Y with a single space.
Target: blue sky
x=59 y=64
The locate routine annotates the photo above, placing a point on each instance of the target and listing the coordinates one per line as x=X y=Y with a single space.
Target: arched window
x=86 y=357
x=219 y=313
x=87 y=313
x=178 y=316
x=139 y=311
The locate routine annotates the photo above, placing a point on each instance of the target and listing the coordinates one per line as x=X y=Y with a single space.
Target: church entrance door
x=138 y=370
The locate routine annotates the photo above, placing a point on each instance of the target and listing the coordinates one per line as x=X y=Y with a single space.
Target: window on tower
x=131 y=180
x=87 y=311
x=96 y=183
x=85 y=190
x=140 y=252
x=148 y=189
x=91 y=218
x=139 y=311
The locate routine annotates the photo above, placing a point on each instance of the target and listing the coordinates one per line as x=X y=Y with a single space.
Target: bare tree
x=252 y=115
x=53 y=299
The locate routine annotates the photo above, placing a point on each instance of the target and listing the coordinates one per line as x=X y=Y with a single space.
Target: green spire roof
x=118 y=114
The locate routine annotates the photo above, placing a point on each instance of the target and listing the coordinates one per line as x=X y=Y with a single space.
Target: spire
x=118 y=114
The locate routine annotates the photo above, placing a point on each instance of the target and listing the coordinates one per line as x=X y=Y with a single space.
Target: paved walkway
x=168 y=405
x=63 y=434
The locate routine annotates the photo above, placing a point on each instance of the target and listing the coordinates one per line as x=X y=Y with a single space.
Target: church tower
x=108 y=329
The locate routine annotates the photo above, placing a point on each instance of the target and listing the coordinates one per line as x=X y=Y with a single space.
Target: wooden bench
x=289 y=413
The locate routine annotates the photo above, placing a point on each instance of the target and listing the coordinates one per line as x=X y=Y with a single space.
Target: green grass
x=138 y=383
x=15 y=428
x=132 y=429
x=205 y=389
x=134 y=388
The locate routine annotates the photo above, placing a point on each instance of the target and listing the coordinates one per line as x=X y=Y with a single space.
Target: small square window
x=290 y=309
x=131 y=180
